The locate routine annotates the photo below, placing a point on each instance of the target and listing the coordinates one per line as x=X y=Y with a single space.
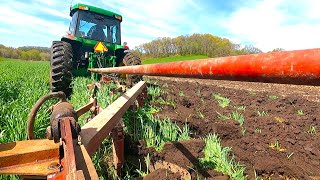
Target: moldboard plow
x=65 y=154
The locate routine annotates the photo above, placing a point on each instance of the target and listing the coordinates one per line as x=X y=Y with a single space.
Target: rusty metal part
x=30 y=125
x=59 y=111
x=118 y=148
x=84 y=163
x=291 y=67
x=87 y=107
x=96 y=130
x=30 y=157
x=68 y=148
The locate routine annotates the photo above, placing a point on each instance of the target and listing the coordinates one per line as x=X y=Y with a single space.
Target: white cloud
x=134 y=41
x=57 y=13
x=153 y=18
x=30 y=24
x=270 y=24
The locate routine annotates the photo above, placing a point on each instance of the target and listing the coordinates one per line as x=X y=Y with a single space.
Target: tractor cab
x=92 y=23
x=93 y=41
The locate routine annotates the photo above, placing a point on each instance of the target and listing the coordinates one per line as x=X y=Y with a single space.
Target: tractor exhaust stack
x=290 y=67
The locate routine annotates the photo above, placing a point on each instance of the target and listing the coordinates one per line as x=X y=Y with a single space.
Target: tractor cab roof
x=85 y=7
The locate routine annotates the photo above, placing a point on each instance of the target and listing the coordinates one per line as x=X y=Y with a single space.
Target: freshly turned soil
x=162 y=174
x=299 y=156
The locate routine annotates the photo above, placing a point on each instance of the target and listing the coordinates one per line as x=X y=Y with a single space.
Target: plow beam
x=290 y=67
x=96 y=130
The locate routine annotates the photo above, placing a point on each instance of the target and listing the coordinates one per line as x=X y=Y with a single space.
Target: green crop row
x=21 y=85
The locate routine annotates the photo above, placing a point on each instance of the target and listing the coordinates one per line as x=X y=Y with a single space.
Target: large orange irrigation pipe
x=290 y=67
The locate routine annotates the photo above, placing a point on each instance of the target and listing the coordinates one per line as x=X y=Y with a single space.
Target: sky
x=266 y=24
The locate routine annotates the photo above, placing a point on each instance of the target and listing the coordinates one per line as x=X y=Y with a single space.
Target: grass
x=240 y=108
x=257 y=130
x=172 y=59
x=181 y=94
x=273 y=97
x=21 y=85
x=312 y=130
x=200 y=114
x=237 y=117
x=147 y=162
x=223 y=117
x=221 y=100
x=300 y=112
x=218 y=158
x=142 y=125
x=276 y=146
x=262 y=113
x=154 y=91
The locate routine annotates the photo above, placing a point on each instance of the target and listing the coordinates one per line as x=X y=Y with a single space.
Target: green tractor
x=93 y=40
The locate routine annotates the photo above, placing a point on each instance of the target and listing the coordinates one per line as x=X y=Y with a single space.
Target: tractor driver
x=96 y=32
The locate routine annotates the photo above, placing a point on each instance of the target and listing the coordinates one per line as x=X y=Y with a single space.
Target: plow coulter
x=67 y=151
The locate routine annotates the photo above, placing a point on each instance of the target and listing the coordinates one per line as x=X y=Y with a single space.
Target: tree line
x=187 y=45
x=26 y=53
x=195 y=44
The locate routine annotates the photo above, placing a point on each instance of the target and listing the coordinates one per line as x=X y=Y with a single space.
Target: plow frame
x=69 y=158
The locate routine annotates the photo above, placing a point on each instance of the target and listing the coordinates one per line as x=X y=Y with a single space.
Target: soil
x=299 y=154
x=162 y=174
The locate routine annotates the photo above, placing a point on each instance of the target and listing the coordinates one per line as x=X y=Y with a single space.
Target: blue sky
x=266 y=24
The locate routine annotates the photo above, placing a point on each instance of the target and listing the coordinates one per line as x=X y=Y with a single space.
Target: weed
x=237 y=117
x=217 y=158
x=273 y=97
x=279 y=119
x=243 y=131
x=312 y=130
x=256 y=176
x=200 y=114
x=253 y=93
x=184 y=133
x=262 y=113
x=276 y=146
x=289 y=155
x=142 y=125
x=240 y=108
x=181 y=94
x=154 y=91
x=167 y=103
x=300 y=112
x=257 y=130
x=198 y=93
x=223 y=117
x=222 y=101
x=147 y=161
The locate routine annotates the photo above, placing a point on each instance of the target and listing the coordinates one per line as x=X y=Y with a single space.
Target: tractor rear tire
x=131 y=59
x=60 y=67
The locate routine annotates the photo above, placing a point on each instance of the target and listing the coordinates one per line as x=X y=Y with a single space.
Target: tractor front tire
x=60 y=67
x=131 y=59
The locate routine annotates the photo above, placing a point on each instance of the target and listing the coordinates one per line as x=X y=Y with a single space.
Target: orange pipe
x=290 y=67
